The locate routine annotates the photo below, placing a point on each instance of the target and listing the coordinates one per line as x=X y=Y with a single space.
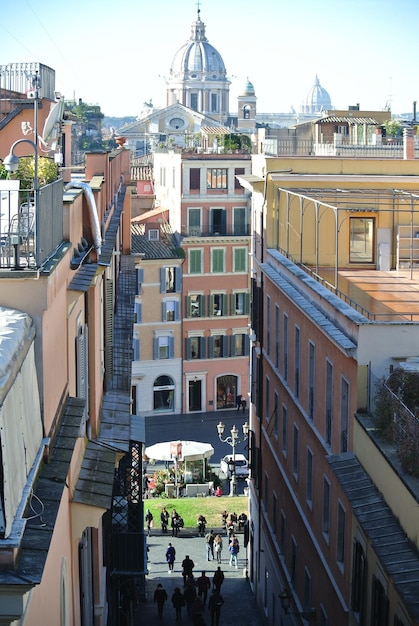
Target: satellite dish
x=52 y=124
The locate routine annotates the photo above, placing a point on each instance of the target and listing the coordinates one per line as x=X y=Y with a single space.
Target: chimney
x=408 y=143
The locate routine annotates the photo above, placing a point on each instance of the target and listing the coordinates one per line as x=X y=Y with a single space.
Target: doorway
x=195 y=395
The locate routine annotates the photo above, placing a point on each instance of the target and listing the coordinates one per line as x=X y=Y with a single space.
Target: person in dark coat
x=218 y=579
x=215 y=603
x=178 y=602
x=160 y=597
x=187 y=569
x=189 y=595
x=164 y=520
x=203 y=584
x=170 y=557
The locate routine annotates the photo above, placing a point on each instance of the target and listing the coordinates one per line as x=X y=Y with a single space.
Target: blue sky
x=116 y=54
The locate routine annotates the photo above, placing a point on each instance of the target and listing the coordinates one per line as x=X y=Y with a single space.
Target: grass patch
x=190 y=508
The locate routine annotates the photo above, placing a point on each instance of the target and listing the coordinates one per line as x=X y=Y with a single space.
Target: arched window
x=246 y=112
x=163 y=394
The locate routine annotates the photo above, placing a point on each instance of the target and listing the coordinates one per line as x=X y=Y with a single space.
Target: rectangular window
x=285 y=342
x=267 y=398
x=282 y=533
x=240 y=345
x=194 y=101
x=240 y=303
x=277 y=322
x=276 y=413
x=217 y=346
x=274 y=513
x=194 y=179
x=359 y=579
x=195 y=305
x=195 y=348
x=297 y=357
x=218 y=304
x=195 y=261
x=238 y=171
x=136 y=347
x=326 y=508
x=307 y=589
x=194 y=222
x=344 y=415
x=214 y=100
x=217 y=260
x=284 y=429
x=140 y=279
x=170 y=311
x=296 y=451
x=239 y=221
x=329 y=402
x=217 y=178
x=138 y=312
x=170 y=280
x=268 y=325
x=309 y=478
x=361 y=244
x=163 y=347
x=340 y=552
x=266 y=494
x=379 y=604
x=293 y=569
x=311 y=378
x=240 y=260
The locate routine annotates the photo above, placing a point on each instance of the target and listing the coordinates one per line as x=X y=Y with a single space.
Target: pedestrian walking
x=197 y=612
x=178 y=602
x=203 y=584
x=170 y=557
x=238 y=401
x=218 y=547
x=160 y=597
x=218 y=579
x=149 y=521
x=215 y=603
x=187 y=569
x=164 y=520
x=189 y=594
x=209 y=540
x=234 y=551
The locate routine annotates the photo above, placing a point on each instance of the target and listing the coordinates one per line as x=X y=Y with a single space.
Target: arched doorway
x=226 y=391
x=163 y=394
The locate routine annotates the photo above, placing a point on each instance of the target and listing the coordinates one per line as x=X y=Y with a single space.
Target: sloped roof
x=337 y=119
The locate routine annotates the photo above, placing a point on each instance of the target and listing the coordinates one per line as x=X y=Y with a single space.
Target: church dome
x=197 y=57
x=317 y=100
x=248 y=89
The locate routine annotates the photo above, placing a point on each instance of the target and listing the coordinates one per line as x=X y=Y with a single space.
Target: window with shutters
x=194 y=222
x=218 y=260
x=170 y=311
x=195 y=347
x=170 y=280
x=217 y=346
x=239 y=221
x=195 y=305
x=240 y=260
x=240 y=303
x=195 y=256
x=240 y=344
x=163 y=346
x=218 y=304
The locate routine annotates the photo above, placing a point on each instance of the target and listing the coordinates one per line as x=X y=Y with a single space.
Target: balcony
x=28 y=237
x=208 y=230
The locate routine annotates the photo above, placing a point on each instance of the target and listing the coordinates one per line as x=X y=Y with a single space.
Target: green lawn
x=189 y=508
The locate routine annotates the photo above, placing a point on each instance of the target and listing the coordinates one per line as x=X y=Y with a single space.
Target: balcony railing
x=28 y=237
x=206 y=230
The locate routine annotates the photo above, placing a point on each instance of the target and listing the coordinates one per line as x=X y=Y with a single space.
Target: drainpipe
x=94 y=219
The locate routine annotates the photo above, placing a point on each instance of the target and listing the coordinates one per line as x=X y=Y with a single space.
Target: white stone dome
x=198 y=58
x=317 y=100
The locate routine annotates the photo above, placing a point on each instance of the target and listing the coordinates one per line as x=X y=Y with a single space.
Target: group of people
x=176 y=522
x=195 y=594
x=230 y=523
x=214 y=546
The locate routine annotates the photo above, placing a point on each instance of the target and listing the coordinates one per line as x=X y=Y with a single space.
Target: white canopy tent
x=180 y=451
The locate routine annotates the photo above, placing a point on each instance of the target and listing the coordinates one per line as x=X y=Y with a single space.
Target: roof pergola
x=343 y=203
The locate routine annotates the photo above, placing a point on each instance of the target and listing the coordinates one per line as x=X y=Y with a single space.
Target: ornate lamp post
x=233 y=440
x=285 y=598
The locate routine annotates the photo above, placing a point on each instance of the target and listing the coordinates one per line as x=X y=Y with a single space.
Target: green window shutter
x=225 y=304
x=240 y=260
x=188 y=306
x=210 y=347
x=202 y=306
x=246 y=303
x=211 y=304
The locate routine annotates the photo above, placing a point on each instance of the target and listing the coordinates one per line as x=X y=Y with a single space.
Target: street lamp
x=285 y=598
x=233 y=441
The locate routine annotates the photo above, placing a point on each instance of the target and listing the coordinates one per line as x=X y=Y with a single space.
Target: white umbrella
x=180 y=451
